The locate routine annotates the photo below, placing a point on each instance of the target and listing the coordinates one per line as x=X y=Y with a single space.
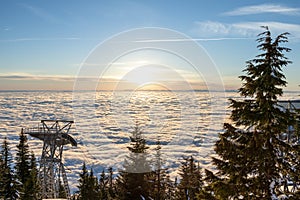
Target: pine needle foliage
x=252 y=159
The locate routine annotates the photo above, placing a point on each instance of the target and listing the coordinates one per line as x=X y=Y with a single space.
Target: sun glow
x=153 y=87
x=151 y=77
x=146 y=74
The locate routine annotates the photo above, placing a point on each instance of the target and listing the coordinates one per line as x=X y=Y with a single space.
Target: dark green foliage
x=31 y=186
x=190 y=180
x=251 y=162
x=103 y=185
x=111 y=186
x=83 y=184
x=93 y=186
x=22 y=167
x=8 y=184
x=160 y=181
x=61 y=191
x=1 y=173
x=21 y=183
x=133 y=181
x=106 y=185
x=212 y=183
x=92 y=189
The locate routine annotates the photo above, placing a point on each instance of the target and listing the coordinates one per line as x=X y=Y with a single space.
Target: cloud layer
x=243 y=29
x=264 y=8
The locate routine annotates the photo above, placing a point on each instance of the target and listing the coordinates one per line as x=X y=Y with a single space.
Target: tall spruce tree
x=8 y=185
x=133 y=182
x=22 y=167
x=31 y=187
x=252 y=160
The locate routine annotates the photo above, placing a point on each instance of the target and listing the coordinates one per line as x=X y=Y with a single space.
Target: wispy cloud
x=24 y=81
x=64 y=78
x=188 y=39
x=128 y=63
x=220 y=30
x=243 y=29
x=41 y=13
x=105 y=83
x=264 y=8
x=6 y=28
x=24 y=76
x=38 y=39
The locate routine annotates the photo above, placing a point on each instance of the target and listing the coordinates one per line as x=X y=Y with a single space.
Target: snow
x=272 y=186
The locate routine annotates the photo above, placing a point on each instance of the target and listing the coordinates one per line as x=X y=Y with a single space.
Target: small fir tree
x=191 y=180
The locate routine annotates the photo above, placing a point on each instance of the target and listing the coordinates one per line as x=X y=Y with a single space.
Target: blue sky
x=43 y=43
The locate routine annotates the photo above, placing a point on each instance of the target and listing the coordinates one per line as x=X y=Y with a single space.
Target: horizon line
x=128 y=90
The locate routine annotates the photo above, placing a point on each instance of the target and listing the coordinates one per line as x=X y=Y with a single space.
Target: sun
x=146 y=75
x=153 y=87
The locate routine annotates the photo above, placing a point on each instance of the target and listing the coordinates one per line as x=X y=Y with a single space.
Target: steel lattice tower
x=52 y=174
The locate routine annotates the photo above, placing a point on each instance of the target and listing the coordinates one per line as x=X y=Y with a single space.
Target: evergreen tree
x=93 y=186
x=159 y=178
x=22 y=167
x=83 y=183
x=103 y=185
x=31 y=186
x=191 y=180
x=1 y=175
x=61 y=191
x=88 y=185
x=171 y=188
x=111 y=185
x=107 y=190
x=291 y=188
x=8 y=185
x=207 y=191
x=133 y=182
x=251 y=157
x=1 y=172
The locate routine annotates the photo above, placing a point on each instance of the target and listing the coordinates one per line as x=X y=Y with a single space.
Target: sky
x=47 y=45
